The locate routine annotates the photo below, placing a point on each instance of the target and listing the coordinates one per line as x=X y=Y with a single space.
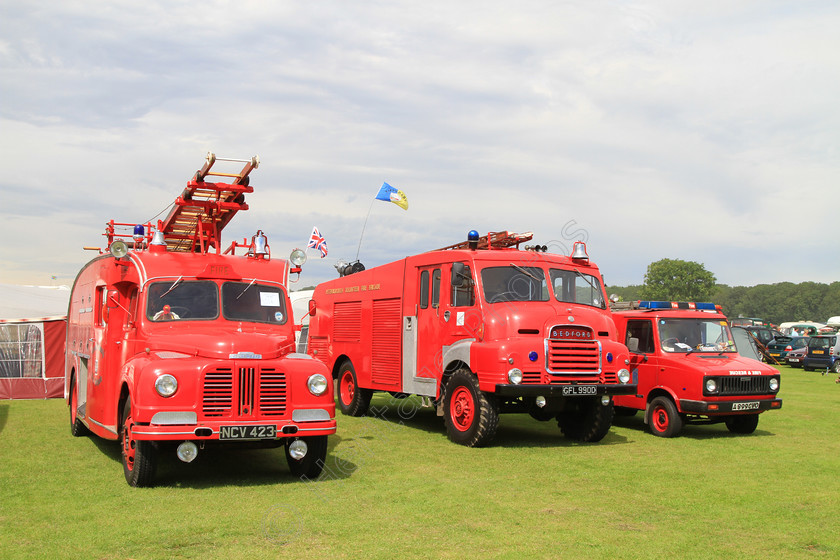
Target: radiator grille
x=573 y=356
x=244 y=392
x=745 y=385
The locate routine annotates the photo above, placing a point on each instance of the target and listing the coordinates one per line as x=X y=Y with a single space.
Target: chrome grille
x=745 y=385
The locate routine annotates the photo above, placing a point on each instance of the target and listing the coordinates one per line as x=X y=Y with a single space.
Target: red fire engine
x=688 y=369
x=482 y=328
x=173 y=343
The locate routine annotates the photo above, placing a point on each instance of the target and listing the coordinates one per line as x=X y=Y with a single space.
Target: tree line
x=675 y=280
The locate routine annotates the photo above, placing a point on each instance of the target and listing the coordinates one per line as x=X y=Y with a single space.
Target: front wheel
x=352 y=400
x=311 y=465
x=665 y=420
x=470 y=415
x=588 y=420
x=139 y=458
x=742 y=424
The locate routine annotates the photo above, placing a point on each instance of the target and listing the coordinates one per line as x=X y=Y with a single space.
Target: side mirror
x=457 y=277
x=633 y=345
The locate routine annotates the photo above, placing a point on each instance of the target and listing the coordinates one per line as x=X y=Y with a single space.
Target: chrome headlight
x=774 y=384
x=515 y=376
x=166 y=385
x=624 y=375
x=711 y=385
x=317 y=384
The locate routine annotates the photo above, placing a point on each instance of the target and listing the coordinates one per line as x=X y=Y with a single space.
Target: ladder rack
x=203 y=210
x=494 y=240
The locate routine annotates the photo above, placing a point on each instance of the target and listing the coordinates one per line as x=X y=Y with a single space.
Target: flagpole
x=363 y=228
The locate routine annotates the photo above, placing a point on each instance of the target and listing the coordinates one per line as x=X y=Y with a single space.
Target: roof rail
x=493 y=240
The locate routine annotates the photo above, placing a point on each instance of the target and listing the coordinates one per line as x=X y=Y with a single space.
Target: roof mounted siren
x=579 y=252
x=472 y=239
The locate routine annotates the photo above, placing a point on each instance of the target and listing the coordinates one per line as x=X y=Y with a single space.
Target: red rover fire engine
x=688 y=369
x=172 y=344
x=482 y=328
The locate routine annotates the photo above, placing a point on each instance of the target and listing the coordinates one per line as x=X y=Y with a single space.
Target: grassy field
x=395 y=487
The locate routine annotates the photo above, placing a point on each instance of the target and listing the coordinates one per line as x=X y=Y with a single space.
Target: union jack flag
x=317 y=241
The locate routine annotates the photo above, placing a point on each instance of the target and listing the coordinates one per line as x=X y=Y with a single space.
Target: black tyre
x=665 y=420
x=352 y=400
x=587 y=420
x=742 y=424
x=139 y=458
x=77 y=428
x=471 y=416
x=311 y=465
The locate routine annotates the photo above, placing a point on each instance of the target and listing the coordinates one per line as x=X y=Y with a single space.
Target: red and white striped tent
x=33 y=326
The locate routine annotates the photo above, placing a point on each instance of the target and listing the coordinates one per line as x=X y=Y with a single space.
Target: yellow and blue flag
x=390 y=194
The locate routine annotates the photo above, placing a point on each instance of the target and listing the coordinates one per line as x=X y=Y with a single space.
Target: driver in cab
x=165 y=314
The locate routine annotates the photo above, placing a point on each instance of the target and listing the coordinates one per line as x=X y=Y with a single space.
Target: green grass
x=395 y=487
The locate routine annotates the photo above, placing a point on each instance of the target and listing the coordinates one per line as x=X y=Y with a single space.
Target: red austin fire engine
x=688 y=370
x=481 y=327
x=170 y=343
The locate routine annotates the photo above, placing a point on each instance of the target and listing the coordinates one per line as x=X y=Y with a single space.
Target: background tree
x=677 y=280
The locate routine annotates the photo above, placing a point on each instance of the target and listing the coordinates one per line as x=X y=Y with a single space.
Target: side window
x=464 y=295
x=131 y=316
x=101 y=303
x=643 y=330
x=436 y=288
x=424 y=289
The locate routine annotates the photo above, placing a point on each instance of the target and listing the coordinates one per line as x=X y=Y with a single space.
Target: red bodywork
x=220 y=324
x=406 y=328
x=744 y=386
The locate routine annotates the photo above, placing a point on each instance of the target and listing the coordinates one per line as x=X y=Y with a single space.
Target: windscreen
x=253 y=302
x=514 y=283
x=175 y=300
x=693 y=335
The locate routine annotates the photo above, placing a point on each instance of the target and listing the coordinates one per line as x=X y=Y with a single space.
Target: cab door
x=644 y=362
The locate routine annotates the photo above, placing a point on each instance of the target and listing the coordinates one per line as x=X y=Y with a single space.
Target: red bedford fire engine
x=482 y=328
x=688 y=370
x=172 y=344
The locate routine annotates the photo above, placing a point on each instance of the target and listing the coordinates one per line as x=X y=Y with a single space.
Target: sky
x=701 y=131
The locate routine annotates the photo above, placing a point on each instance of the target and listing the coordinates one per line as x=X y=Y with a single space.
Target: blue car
x=823 y=353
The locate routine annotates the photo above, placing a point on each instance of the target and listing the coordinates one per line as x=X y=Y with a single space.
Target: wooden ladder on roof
x=203 y=210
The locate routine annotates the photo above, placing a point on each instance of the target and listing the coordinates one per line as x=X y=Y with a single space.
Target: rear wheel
x=471 y=416
x=665 y=420
x=352 y=400
x=742 y=424
x=311 y=465
x=588 y=420
x=139 y=458
x=77 y=428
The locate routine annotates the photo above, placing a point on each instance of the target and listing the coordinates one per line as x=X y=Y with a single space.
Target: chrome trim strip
x=109 y=428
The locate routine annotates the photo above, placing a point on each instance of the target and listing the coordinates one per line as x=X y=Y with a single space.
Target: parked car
x=823 y=352
x=796 y=356
x=764 y=334
x=780 y=346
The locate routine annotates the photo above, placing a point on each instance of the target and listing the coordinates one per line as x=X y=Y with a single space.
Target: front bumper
x=210 y=431
x=567 y=390
x=713 y=408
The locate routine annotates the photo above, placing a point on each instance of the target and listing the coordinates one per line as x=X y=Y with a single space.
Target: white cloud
x=698 y=131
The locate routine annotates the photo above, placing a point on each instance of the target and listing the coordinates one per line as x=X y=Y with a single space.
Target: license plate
x=572 y=390
x=774 y=354
x=817 y=352
x=745 y=406
x=248 y=432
